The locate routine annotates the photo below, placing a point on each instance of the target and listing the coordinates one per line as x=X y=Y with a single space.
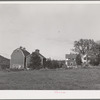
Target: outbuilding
x=18 y=58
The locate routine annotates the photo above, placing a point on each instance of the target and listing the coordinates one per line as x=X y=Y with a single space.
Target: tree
x=78 y=60
x=52 y=64
x=35 y=61
x=94 y=61
x=86 y=47
x=55 y=64
x=83 y=46
x=94 y=55
x=48 y=63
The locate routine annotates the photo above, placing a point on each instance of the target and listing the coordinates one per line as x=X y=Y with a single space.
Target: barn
x=18 y=58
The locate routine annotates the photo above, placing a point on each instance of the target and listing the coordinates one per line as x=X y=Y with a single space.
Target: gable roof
x=37 y=54
x=4 y=61
x=41 y=55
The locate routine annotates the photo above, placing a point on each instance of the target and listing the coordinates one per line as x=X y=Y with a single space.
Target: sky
x=51 y=28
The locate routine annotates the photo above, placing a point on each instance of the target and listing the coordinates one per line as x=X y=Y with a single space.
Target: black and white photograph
x=49 y=46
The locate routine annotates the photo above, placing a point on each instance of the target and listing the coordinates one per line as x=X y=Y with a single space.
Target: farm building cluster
x=20 y=58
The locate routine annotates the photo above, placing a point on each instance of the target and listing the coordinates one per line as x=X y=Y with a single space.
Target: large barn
x=18 y=58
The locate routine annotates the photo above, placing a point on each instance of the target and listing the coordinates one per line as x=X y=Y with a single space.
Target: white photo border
x=50 y=94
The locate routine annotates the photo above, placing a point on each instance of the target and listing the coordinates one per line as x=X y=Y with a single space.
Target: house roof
x=25 y=52
x=71 y=55
x=41 y=55
x=37 y=54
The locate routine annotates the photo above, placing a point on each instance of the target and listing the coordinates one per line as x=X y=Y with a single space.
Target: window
x=84 y=58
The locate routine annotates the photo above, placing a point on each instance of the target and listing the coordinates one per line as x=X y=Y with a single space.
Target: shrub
x=94 y=61
x=52 y=64
x=4 y=66
x=78 y=60
x=48 y=64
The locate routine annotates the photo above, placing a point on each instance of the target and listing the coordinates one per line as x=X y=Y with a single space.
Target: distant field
x=60 y=79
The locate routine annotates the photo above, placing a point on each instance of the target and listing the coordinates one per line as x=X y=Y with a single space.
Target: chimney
x=20 y=47
x=37 y=51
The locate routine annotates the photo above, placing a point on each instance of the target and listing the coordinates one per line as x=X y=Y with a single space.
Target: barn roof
x=25 y=52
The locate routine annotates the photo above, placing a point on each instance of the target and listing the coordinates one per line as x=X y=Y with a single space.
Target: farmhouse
x=18 y=58
x=70 y=60
x=43 y=59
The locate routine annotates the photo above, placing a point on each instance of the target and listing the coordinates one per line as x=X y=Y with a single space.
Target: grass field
x=60 y=79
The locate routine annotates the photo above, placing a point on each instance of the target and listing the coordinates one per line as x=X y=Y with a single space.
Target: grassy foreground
x=59 y=79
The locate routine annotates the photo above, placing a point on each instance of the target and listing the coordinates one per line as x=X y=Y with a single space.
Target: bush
x=4 y=67
x=55 y=64
x=78 y=60
x=52 y=64
x=94 y=61
x=48 y=64
x=15 y=69
x=85 y=65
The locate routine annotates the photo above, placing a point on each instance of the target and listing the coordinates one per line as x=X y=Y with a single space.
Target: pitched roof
x=38 y=54
x=41 y=55
x=4 y=61
x=25 y=52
